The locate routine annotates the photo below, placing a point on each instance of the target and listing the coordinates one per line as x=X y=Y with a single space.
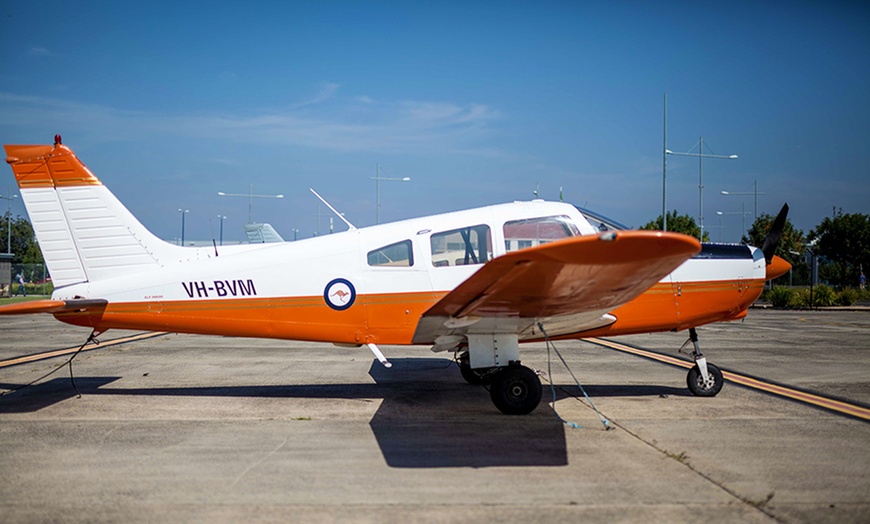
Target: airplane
x=477 y=282
x=262 y=233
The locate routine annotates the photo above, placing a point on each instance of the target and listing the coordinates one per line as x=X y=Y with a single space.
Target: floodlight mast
x=378 y=179
x=250 y=196
x=747 y=193
x=701 y=156
x=9 y=222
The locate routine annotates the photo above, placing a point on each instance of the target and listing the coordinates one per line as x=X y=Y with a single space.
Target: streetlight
x=665 y=170
x=378 y=179
x=222 y=218
x=295 y=231
x=701 y=156
x=746 y=193
x=250 y=196
x=183 y=212
x=9 y=223
x=742 y=214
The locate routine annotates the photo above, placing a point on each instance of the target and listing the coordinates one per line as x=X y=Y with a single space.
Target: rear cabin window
x=399 y=254
x=519 y=234
x=462 y=247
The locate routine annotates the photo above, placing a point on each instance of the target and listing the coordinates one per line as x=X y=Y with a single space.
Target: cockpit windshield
x=601 y=222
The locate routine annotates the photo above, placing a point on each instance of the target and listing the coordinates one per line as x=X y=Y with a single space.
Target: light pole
x=251 y=196
x=747 y=193
x=9 y=223
x=665 y=171
x=701 y=156
x=295 y=232
x=377 y=178
x=742 y=214
x=222 y=218
x=183 y=212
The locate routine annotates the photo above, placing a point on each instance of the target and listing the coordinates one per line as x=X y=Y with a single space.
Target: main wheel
x=708 y=388
x=515 y=390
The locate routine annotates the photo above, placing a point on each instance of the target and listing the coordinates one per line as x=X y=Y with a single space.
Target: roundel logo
x=339 y=294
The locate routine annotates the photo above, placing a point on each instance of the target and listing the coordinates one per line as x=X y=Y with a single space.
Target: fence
x=36 y=280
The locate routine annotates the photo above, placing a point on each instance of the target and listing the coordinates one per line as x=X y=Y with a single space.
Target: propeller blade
x=774 y=235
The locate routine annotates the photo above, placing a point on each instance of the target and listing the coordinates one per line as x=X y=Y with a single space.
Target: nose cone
x=776 y=268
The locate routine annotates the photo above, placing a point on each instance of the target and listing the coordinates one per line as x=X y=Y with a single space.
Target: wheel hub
x=517 y=390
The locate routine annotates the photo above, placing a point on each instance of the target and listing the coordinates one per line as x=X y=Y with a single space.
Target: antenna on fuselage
x=339 y=215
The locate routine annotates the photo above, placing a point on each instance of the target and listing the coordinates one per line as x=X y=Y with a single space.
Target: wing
x=571 y=283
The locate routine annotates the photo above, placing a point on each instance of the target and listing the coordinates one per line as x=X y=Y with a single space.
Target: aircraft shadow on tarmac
x=429 y=416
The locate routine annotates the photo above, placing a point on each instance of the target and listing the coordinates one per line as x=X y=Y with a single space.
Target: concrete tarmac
x=186 y=428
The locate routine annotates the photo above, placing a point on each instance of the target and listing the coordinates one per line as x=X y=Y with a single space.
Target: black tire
x=696 y=382
x=515 y=390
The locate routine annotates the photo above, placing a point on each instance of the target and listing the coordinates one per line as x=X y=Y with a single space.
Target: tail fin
x=84 y=232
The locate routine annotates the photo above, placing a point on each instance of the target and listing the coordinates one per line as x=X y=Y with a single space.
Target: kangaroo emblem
x=341 y=294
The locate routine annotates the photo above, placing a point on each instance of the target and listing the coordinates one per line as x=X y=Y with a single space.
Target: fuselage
x=372 y=285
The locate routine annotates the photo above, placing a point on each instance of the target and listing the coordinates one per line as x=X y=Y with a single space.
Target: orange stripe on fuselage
x=678 y=306
x=383 y=318
x=391 y=318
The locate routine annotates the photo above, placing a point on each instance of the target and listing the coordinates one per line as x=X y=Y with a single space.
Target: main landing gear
x=704 y=380
x=513 y=388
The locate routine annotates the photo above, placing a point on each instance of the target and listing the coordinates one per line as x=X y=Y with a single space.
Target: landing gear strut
x=704 y=380
x=475 y=377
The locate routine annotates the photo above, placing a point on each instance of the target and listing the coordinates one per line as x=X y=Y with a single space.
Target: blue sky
x=477 y=102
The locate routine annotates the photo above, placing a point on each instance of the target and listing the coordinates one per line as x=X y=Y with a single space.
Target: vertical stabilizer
x=84 y=232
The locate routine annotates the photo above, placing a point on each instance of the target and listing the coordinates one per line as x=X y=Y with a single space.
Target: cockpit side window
x=464 y=246
x=399 y=254
x=519 y=234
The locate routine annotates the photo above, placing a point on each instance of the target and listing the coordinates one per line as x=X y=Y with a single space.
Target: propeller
x=774 y=235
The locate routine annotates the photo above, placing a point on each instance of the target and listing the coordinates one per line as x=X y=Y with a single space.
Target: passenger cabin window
x=461 y=247
x=399 y=254
x=519 y=234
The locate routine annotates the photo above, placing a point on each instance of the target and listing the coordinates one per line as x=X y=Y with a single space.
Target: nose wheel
x=701 y=387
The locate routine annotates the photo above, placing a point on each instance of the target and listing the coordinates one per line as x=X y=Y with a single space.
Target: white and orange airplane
x=476 y=282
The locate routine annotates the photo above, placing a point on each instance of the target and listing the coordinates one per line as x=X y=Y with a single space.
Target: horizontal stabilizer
x=53 y=306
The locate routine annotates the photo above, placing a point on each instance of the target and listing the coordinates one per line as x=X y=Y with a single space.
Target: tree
x=679 y=224
x=791 y=246
x=24 y=246
x=844 y=240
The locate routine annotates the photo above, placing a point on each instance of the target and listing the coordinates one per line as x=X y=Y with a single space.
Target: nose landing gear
x=704 y=380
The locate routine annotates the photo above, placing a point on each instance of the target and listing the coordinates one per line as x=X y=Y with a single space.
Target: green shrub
x=824 y=296
x=847 y=297
x=800 y=299
x=780 y=296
